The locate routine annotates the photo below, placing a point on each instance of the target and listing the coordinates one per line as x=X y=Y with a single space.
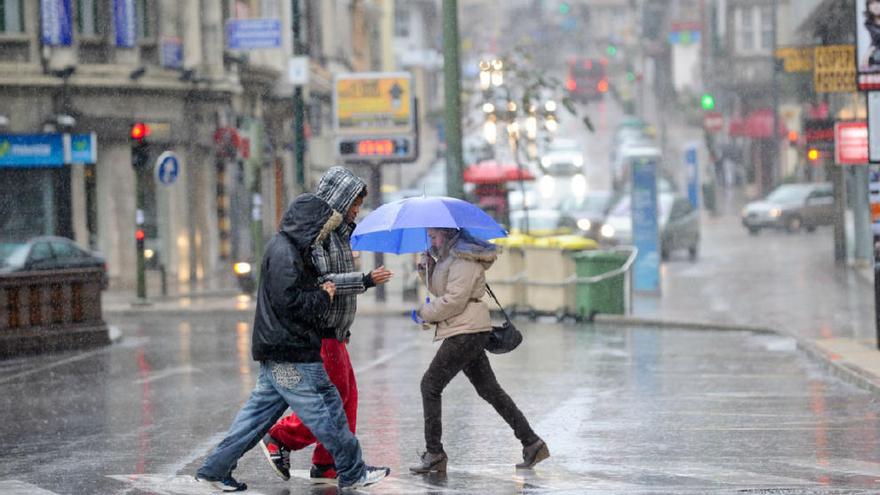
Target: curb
x=833 y=363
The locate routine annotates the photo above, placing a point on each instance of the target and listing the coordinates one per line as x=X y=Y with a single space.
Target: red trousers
x=292 y=433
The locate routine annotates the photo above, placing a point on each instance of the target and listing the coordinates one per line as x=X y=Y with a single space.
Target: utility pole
x=776 y=156
x=452 y=87
x=298 y=107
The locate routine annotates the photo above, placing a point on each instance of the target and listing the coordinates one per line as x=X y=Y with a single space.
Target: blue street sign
x=124 y=23
x=56 y=24
x=80 y=148
x=31 y=150
x=167 y=168
x=172 y=53
x=645 y=228
x=693 y=175
x=253 y=34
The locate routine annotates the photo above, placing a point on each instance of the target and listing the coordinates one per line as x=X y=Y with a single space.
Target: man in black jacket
x=287 y=344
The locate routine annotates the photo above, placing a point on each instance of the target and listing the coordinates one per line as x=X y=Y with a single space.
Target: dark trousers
x=466 y=353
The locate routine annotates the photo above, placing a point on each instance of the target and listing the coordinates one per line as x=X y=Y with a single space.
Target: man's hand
x=329 y=288
x=381 y=275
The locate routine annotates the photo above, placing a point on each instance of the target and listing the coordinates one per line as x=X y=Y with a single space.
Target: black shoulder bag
x=505 y=337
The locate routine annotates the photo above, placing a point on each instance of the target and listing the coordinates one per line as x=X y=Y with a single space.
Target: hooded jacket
x=333 y=257
x=458 y=282
x=289 y=299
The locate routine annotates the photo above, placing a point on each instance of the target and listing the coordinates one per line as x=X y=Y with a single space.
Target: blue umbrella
x=401 y=226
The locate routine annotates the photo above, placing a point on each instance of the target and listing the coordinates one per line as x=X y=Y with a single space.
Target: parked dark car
x=48 y=253
x=679 y=225
x=792 y=207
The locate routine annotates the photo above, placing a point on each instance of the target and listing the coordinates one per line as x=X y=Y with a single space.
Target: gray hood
x=339 y=187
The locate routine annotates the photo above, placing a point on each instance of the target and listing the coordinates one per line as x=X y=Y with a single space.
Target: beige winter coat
x=458 y=283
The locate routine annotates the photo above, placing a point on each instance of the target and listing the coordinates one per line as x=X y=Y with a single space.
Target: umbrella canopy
x=402 y=226
x=493 y=172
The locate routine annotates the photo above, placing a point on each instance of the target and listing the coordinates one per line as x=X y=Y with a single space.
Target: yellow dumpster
x=507 y=274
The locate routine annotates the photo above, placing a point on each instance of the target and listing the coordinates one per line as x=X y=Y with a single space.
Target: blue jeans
x=308 y=391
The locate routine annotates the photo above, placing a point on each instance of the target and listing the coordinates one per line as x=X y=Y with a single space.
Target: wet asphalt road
x=624 y=410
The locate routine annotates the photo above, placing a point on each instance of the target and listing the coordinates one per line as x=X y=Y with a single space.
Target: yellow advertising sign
x=796 y=58
x=834 y=69
x=373 y=103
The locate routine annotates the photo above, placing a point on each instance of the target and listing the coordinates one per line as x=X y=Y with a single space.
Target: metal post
x=139 y=242
x=775 y=165
x=376 y=195
x=298 y=108
x=839 y=186
x=452 y=87
x=862 y=215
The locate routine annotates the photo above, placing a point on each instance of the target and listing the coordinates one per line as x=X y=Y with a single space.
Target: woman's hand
x=426 y=262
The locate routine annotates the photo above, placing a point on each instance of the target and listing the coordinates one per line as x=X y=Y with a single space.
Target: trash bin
x=606 y=296
x=550 y=270
x=507 y=274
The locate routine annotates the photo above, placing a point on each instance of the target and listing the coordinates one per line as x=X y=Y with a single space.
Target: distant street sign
x=834 y=69
x=167 y=168
x=374 y=117
x=298 y=71
x=253 y=34
x=796 y=58
x=713 y=121
x=851 y=143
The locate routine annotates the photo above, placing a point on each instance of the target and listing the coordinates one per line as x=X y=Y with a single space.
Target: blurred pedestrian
x=461 y=320
x=286 y=342
x=345 y=193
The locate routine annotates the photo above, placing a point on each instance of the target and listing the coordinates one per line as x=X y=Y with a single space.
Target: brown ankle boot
x=431 y=463
x=533 y=454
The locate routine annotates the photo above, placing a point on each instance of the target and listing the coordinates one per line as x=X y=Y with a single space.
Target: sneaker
x=278 y=456
x=228 y=484
x=372 y=475
x=533 y=454
x=323 y=473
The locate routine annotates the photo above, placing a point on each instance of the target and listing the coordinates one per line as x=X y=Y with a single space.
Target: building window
x=144 y=19
x=766 y=13
x=754 y=29
x=87 y=18
x=401 y=23
x=11 y=16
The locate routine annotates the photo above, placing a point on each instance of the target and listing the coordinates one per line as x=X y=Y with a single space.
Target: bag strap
x=489 y=290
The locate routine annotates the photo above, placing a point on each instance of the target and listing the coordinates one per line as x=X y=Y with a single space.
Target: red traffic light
x=139 y=235
x=139 y=131
x=792 y=136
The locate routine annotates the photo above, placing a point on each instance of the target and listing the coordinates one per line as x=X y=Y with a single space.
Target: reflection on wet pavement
x=623 y=410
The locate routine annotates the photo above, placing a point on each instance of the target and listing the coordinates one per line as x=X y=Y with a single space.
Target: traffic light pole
x=140 y=235
x=298 y=107
x=452 y=92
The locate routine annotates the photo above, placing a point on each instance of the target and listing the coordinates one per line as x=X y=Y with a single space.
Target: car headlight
x=584 y=224
x=744 y=213
x=775 y=213
x=607 y=231
x=241 y=268
x=578 y=161
x=545 y=162
x=149 y=253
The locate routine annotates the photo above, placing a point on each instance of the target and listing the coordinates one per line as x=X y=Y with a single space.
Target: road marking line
x=15 y=487
x=161 y=484
x=158 y=375
x=61 y=362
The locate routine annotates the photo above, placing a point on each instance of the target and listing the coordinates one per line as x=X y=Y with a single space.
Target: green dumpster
x=605 y=296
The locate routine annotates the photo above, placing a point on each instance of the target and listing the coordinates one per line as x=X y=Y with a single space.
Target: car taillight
x=571 y=84
x=602 y=86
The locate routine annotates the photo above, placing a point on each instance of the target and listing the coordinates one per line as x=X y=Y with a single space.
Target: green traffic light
x=611 y=50
x=630 y=77
x=707 y=101
x=564 y=8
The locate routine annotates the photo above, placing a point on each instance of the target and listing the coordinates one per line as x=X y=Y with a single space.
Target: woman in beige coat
x=460 y=319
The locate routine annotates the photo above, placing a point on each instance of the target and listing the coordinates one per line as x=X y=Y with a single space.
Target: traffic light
x=707 y=101
x=139 y=148
x=792 y=137
x=611 y=50
x=564 y=8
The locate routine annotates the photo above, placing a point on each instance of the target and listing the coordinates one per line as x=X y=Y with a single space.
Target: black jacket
x=289 y=300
